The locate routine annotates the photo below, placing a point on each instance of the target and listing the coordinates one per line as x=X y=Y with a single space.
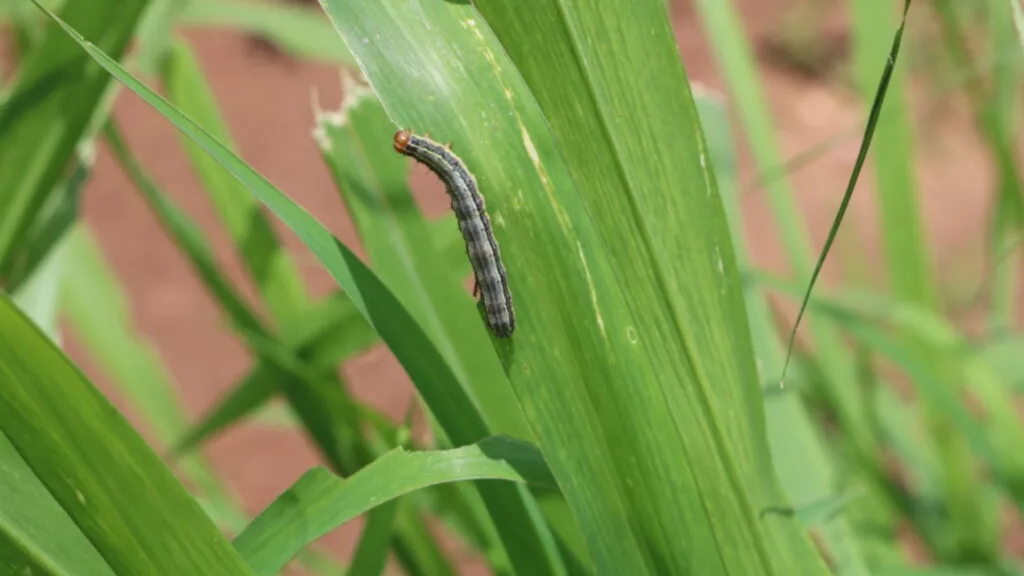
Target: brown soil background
x=266 y=101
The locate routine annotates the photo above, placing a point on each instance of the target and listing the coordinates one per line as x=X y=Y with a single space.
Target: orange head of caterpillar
x=402 y=139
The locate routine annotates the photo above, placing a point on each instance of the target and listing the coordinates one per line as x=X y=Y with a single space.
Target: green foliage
x=319 y=501
x=47 y=111
x=634 y=422
x=86 y=465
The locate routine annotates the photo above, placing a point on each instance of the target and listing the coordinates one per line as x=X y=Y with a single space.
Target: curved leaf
x=320 y=501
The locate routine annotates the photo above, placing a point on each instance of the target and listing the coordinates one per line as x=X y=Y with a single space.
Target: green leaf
x=36 y=534
x=55 y=218
x=267 y=262
x=253 y=391
x=313 y=395
x=371 y=177
x=865 y=145
x=372 y=552
x=799 y=454
x=329 y=332
x=1018 y=21
x=322 y=399
x=155 y=34
x=27 y=26
x=579 y=368
x=186 y=235
x=904 y=429
x=320 y=501
x=118 y=492
x=370 y=296
x=39 y=295
x=903 y=237
x=324 y=407
x=303 y=32
x=372 y=180
x=98 y=312
x=997 y=439
x=822 y=511
x=1006 y=356
x=1001 y=114
x=736 y=59
x=49 y=108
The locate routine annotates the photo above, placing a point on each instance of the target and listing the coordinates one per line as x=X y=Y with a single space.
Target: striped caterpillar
x=468 y=205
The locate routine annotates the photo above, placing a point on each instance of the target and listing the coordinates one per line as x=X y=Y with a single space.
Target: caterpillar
x=489 y=273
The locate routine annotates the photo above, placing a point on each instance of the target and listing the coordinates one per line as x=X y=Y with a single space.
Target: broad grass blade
x=104 y=476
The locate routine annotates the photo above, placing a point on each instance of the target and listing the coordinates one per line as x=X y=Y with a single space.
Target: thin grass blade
x=324 y=336
x=904 y=241
x=372 y=552
x=869 y=130
x=799 y=454
x=186 y=235
x=995 y=439
x=325 y=408
x=270 y=266
x=54 y=221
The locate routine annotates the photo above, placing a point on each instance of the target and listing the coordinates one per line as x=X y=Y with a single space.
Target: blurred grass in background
x=895 y=443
